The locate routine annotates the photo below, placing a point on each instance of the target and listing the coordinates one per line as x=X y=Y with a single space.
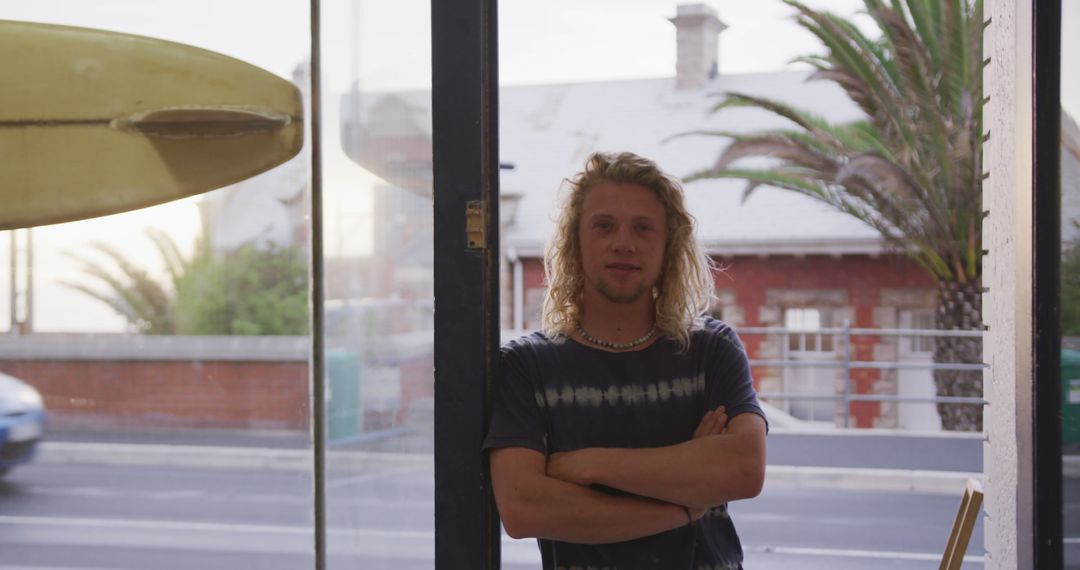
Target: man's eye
x=644 y=228
x=603 y=225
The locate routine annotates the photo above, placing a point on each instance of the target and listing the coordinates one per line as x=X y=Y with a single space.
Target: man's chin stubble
x=614 y=297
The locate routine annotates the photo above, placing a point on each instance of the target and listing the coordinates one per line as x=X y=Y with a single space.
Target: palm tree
x=911 y=168
x=146 y=304
x=133 y=293
x=252 y=290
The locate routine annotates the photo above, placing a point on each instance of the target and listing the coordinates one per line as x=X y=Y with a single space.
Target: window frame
x=466 y=170
x=1048 y=523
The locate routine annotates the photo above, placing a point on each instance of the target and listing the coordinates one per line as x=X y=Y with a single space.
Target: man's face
x=623 y=234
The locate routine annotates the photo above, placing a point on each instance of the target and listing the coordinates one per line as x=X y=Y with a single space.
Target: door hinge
x=475 y=236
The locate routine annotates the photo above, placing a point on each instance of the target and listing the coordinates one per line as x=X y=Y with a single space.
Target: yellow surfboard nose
x=95 y=122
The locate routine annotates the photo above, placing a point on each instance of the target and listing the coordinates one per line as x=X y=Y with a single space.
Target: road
x=98 y=517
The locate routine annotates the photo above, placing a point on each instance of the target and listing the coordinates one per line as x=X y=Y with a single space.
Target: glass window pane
x=1070 y=278
x=378 y=243
x=169 y=345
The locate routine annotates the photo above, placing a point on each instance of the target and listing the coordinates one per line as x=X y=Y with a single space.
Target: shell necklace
x=616 y=345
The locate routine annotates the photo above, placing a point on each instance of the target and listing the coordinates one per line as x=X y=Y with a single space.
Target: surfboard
x=94 y=122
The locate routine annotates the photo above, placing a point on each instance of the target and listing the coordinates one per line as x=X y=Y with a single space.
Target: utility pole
x=28 y=320
x=21 y=321
x=13 y=291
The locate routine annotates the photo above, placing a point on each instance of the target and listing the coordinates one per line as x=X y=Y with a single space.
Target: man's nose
x=623 y=241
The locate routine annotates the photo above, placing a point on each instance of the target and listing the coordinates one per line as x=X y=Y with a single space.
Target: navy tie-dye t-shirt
x=559 y=395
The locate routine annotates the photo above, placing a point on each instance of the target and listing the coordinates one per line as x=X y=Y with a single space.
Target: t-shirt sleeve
x=728 y=377
x=517 y=419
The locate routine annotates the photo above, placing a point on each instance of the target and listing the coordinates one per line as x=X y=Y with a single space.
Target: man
x=620 y=433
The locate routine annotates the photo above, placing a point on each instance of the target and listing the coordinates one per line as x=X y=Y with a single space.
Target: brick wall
x=149 y=393
x=867 y=291
x=228 y=382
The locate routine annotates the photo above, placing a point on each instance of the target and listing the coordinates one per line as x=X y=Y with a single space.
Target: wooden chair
x=966 y=516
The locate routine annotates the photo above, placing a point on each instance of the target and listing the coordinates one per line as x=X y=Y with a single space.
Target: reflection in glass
x=1070 y=280
x=170 y=349
x=379 y=320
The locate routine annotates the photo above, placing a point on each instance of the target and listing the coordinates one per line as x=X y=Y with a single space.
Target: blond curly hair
x=685 y=289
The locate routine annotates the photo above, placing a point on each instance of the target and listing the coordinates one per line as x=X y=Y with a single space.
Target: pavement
x=871 y=460
x=242 y=458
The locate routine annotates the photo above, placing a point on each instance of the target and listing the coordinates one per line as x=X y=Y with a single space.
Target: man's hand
x=570 y=466
x=695 y=513
x=713 y=423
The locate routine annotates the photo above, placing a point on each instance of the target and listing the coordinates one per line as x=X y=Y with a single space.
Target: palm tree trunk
x=959 y=307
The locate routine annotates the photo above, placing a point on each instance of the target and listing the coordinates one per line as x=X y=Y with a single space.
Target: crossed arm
x=551 y=498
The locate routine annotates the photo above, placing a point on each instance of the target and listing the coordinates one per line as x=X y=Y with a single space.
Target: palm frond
x=705 y=133
x=927 y=32
x=954 y=36
x=789 y=150
x=114 y=302
x=170 y=253
x=815 y=61
x=134 y=294
x=915 y=71
x=914 y=68
x=865 y=138
x=878 y=169
x=875 y=49
x=856 y=89
x=787 y=179
x=818 y=127
x=857 y=59
x=152 y=294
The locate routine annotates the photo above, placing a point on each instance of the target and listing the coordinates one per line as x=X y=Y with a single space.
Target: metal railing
x=845 y=334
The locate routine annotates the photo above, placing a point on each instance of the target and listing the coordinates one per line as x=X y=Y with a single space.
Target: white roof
x=547 y=131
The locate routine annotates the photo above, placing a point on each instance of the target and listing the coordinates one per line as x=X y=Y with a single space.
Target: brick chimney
x=697 y=35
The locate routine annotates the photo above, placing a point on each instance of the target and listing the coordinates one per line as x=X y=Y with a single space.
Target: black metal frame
x=1046 y=239
x=317 y=377
x=466 y=169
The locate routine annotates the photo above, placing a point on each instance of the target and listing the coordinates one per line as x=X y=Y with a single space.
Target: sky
x=385 y=44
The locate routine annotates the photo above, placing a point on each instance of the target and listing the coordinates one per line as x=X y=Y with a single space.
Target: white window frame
x=1007 y=305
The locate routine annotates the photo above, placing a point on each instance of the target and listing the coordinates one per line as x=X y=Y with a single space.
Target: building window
x=804 y=326
x=918 y=320
x=816 y=384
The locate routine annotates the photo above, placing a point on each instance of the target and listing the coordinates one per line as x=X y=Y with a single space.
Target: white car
x=22 y=422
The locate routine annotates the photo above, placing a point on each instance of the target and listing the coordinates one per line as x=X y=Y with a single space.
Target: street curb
x=1070 y=466
x=216 y=457
x=867 y=479
x=246 y=458
x=872 y=432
